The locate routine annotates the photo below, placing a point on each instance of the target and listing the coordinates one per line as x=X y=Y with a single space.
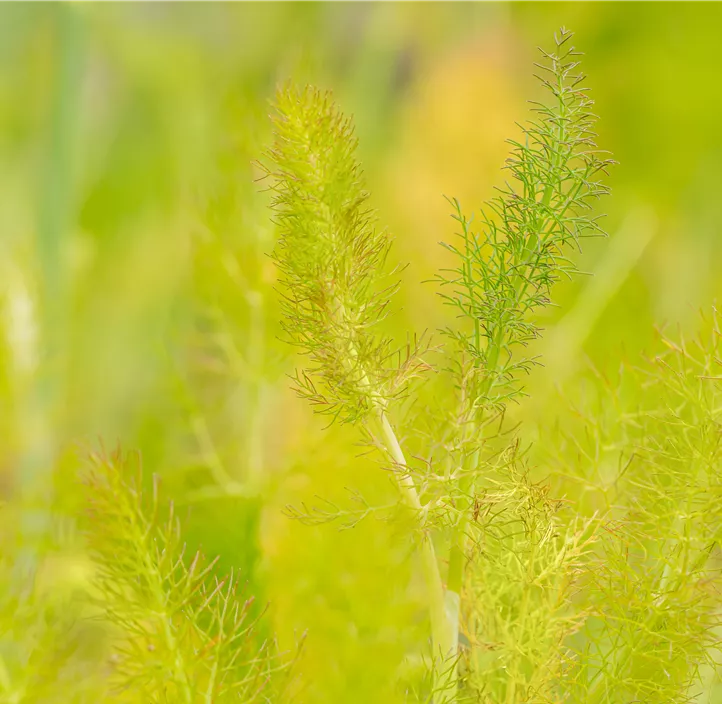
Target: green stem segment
x=443 y=604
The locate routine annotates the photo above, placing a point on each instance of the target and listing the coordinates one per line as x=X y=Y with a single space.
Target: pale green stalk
x=443 y=634
x=256 y=352
x=444 y=628
x=39 y=408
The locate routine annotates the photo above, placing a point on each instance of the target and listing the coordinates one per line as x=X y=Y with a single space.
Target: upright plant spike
x=331 y=255
x=506 y=270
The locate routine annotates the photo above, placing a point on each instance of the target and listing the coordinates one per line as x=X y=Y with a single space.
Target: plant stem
x=256 y=353
x=457 y=553
x=444 y=631
x=38 y=413
x=444 y=636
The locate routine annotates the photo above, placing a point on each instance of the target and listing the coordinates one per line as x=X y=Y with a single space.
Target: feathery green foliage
x=506 y=269
x=648 y=448
x=331 y=255
x=524 y=567
x=185 y=635
x=47 y=646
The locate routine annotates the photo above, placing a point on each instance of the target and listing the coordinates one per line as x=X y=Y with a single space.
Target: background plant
x=184 y=635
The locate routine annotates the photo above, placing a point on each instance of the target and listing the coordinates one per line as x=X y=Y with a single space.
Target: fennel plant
x=519 y=596
x=611 y=597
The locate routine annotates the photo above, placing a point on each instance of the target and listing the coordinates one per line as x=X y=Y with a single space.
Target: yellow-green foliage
x=533 y=513
x=539 y=605
x=331 y=255
x=184 y=635
x=647 y=453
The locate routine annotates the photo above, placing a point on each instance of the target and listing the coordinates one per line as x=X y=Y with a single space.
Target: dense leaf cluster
x=185 y=635
x=331 y=255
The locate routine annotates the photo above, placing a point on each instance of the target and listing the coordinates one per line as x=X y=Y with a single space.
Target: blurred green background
x=137 y=296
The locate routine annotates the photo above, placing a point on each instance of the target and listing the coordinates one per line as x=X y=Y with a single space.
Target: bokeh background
x=137 y=301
